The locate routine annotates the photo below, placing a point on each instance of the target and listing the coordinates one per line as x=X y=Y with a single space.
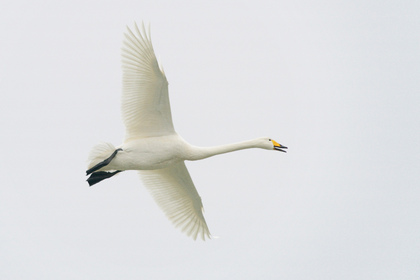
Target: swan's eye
x=269 y=139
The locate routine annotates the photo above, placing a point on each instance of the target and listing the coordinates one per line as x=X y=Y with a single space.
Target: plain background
x=336 y=81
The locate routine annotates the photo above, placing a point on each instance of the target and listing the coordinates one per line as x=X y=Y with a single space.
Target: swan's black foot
x=103 y=163
x=99 y=176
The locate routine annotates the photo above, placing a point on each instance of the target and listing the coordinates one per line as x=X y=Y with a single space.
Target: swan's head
x=270 y=144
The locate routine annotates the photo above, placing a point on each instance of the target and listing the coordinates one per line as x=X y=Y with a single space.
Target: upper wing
x=174 y=191
x=145 y=103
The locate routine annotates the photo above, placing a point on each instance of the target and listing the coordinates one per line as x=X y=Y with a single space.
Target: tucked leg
x=96 y=177
x=103 y=163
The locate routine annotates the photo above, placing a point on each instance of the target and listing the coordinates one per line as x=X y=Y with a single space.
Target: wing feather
x=173 y=190
x=145 y=104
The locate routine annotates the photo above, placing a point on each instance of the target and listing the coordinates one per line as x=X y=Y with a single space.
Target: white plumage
x=151 y=144
x=145 y=102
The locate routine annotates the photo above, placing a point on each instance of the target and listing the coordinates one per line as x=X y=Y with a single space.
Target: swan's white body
x=151 y=144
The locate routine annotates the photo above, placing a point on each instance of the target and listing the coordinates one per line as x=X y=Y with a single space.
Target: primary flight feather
x=151 y=144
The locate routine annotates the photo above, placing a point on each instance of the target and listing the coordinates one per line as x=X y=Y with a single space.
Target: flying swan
x=151 y=144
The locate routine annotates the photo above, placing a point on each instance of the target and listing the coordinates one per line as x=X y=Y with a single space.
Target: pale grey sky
x=335 y=81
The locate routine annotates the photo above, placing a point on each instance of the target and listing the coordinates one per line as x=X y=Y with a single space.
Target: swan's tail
x=100 y=156
x=99 y=153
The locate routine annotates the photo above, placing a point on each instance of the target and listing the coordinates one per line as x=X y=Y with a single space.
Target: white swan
x=151 y=144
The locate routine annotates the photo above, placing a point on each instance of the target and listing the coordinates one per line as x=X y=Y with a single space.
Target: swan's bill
x=279 y=147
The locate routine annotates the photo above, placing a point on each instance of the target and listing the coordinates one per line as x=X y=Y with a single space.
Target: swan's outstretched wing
x=145 y=103
x=174 y=191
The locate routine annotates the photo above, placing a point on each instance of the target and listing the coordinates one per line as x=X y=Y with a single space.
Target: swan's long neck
x=197 y=153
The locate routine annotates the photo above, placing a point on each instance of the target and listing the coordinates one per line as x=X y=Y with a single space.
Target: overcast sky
x=335 y=81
